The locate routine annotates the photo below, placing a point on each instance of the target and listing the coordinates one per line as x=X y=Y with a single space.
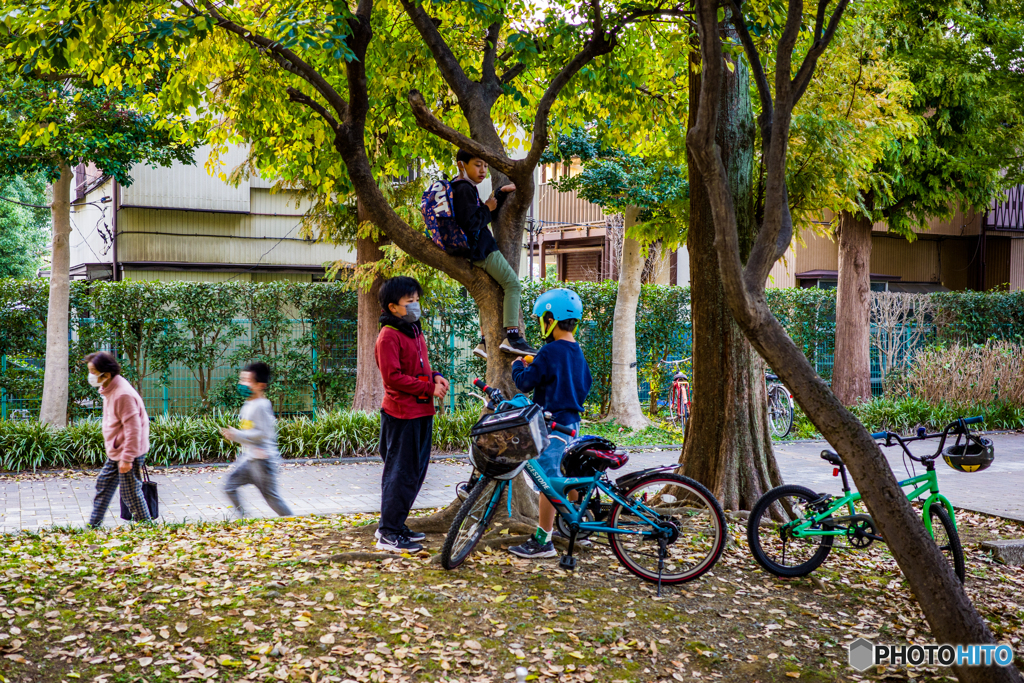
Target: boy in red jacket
x=407 y=413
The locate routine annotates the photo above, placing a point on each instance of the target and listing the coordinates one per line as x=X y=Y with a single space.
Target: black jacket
x=473 y=216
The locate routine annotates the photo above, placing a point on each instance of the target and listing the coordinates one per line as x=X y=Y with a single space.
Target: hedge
x=28 y=445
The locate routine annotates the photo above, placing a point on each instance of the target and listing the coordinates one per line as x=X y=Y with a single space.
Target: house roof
x=834 y=275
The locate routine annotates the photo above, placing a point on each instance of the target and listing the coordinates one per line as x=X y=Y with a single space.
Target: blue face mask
x=244 y=391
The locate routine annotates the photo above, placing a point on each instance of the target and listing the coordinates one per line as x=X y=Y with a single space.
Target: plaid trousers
x=130 y=483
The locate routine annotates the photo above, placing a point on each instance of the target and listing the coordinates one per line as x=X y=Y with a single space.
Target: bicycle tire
x=479 y=517
x=621 y=543
x=780 y=411
x=673 y=397
x=953 y=549
x=755 y=530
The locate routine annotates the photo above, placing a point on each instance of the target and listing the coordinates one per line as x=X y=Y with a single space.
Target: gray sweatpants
x=261 y=473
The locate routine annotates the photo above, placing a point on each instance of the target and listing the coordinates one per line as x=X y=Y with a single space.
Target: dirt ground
x=262 y=601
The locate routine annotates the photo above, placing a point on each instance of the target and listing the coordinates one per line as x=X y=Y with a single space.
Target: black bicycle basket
x=502 y=441
x=588 y=455
x=973 y=456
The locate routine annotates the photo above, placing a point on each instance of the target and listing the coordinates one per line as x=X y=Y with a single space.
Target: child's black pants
x=405 y=448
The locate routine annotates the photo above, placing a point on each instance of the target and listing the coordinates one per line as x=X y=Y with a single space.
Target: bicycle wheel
x=780 y=411
x=946 y=537
x=696 y=524
x=769 y=539
x=673 y=400
x=471 y=521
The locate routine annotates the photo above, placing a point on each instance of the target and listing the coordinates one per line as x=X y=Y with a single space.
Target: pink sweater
x=125 y=422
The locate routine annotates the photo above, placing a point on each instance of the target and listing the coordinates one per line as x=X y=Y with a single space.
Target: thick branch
x=512 y=73
x=490 y=77
x=283 y=56
x=821 y=42
x=448 y=64
x=426 y=120
x=764 y=90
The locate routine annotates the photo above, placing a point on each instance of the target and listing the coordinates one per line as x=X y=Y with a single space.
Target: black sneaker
x=534 y=549
x=481 y=349
x=518 y=346
x=407 y=532
x=398 y=543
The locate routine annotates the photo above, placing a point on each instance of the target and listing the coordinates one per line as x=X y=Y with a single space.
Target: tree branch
x=448 y=64
x=300 y=97
x=426 y=120
x=489 y=77
x=282 y=55
x=764 y=89
x=821 y=42
x=512 y=73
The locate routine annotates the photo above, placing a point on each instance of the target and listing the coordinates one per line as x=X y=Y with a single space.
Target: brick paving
x=188 y=494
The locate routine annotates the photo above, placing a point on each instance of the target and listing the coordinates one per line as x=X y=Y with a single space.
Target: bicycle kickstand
x=662 y=550
x=568 y=562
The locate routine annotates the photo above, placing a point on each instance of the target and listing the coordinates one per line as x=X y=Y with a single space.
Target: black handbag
x=149 y=495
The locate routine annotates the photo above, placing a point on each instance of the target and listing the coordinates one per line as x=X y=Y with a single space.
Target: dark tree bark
x=950 y=614
x=728 y=445
x=369 y=392
x=851 y=374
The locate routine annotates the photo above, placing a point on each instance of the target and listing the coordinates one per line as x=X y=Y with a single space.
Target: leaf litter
x=260 y=601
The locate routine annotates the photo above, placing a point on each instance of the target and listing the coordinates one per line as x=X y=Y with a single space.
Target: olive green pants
x=497 y=267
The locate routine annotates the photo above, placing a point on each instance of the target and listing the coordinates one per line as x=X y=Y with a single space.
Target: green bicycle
x=791 y=528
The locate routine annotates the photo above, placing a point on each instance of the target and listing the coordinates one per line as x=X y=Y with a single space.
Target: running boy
x=560 y=380
x=259 y=460
x=472 y=216
x=407 y=413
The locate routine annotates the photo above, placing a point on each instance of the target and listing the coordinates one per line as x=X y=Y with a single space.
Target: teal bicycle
x=663 y=527
x=791 y=528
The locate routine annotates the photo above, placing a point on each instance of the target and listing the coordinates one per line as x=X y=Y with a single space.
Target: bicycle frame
x=555 y=489
x=929 y=484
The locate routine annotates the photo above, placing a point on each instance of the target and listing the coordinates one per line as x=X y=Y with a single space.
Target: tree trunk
x=851 y=374
x=624 y=407
x=728 y=446
x=54 y=407
x=369 y=392
x=950 y=614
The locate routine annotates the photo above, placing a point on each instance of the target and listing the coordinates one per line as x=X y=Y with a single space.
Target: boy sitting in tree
x=473 y=216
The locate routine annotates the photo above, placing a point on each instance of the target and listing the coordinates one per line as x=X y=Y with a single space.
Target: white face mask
x=94 y=381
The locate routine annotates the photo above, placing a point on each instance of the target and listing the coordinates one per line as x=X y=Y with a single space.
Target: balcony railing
x=1009 y=214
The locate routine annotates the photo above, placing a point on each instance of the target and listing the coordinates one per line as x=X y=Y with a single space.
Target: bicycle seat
x=832 y=457
x=770 y=377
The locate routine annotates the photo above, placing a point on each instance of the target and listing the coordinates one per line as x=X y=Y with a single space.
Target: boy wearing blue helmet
x=560 y=380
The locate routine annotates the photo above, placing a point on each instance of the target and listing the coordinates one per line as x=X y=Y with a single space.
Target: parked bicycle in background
x=780 y=407
x=679 y=393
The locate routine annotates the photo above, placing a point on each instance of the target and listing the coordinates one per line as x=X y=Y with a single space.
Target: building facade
x=181 y=223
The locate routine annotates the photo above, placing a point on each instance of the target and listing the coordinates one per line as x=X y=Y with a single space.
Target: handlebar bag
x=504 y=439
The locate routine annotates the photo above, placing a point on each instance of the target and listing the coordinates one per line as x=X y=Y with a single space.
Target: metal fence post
x=167 y=402
x=313 y=348
x=3 y=392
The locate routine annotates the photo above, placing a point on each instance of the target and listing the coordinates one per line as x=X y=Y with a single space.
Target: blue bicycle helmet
x=561 y=303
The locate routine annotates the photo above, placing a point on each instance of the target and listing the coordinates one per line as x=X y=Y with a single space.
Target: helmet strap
x=545 y=331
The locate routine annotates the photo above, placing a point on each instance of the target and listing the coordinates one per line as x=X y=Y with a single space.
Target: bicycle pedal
x=568 y=563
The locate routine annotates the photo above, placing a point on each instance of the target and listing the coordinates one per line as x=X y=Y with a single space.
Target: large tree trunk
x=950 y=614
x=851 y=374
x=54 y=407
x=728 y=447
x=624 y=407
x=369 y=392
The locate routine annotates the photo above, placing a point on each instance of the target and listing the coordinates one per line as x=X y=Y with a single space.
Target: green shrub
x=31 y=445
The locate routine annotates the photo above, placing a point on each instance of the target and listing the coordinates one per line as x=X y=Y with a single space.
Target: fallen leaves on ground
x=256 y=601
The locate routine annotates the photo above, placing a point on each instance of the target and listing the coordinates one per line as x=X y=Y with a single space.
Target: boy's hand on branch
x=511 y=187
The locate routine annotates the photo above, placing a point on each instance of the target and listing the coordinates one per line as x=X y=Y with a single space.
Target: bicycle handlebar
x=879 y=435
x=974 y=420
x=958 y=426
x=555 y=427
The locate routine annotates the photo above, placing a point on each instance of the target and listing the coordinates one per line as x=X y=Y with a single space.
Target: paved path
x=188 y=494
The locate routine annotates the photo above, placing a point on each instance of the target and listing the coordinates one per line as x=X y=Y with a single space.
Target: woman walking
x=125 y=436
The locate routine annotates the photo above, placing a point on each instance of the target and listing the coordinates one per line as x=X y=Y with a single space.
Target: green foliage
x=975 y=317
x=24 y=230
x=181 y=440
x=47 y=124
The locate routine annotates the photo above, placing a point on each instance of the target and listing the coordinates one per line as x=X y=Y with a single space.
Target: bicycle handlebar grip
x=555 y=427
x=879 y=435
x=480 y=384
x=974 y=420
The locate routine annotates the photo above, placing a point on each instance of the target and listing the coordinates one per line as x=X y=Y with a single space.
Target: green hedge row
x=904 y=414
x=30 y=445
